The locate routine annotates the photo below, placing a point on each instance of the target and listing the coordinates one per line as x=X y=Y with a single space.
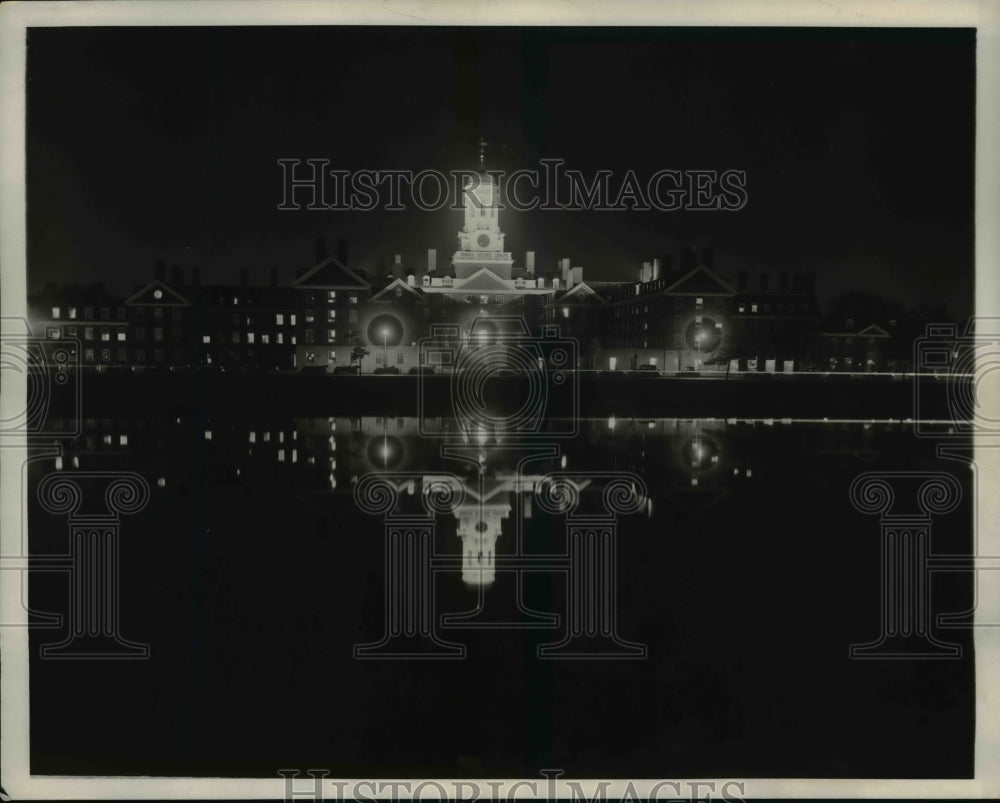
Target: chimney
x=741 y=281
x=432 y=259
x=667 y=261
x=687 y=259
x=575 y=277
x=176 y=276
x=411 y=279
x=564 y=269
x=646 y=272
x=274 y=277
x=160 y=270
x=321 y=252
x=706 y=257
x=763 y=282
x=397 y=266
x=529 y=263
x=657 y=269
x=783 y=281
x=342 y=251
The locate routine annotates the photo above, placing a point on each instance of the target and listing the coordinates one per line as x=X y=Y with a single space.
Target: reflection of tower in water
x=479 y=525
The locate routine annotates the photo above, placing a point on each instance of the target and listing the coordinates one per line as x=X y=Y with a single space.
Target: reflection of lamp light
x=385 y=346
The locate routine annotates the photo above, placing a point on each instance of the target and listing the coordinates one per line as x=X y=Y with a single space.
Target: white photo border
x=16 y=18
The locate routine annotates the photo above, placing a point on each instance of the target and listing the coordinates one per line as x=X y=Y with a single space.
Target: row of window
x=331 y=297
x=121 y=355
x=105 y=335
x=331 y=316
x=780 y=307
x=120 y=313
x=251 y=338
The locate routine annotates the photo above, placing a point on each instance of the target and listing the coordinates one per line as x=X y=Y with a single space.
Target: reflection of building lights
x=333 y=482
x=562 y=463
x=611 y=423
x=161 y=482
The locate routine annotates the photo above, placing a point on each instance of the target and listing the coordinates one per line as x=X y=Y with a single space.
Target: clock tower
x=480 y=241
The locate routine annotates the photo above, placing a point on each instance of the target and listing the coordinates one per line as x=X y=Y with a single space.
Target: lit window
x=251 y=337
x=331 y=314
x=354 y=298
x=53 y=332
x=72 y=313
x=56 y=312
x=332 y=296
x=292 y=319
x=266 y=338
x=105 y=336
x=121 y=337
x=281 y=338
x=331 y=335
x=743 y=307
x=279 y=319
x=699 y=303
x=206 y=338
x=565 y=311
x=753 y=308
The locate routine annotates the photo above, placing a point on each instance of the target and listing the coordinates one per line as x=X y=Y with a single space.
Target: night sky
x=162 y=143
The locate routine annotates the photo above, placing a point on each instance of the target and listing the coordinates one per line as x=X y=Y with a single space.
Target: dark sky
x=162 y=143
